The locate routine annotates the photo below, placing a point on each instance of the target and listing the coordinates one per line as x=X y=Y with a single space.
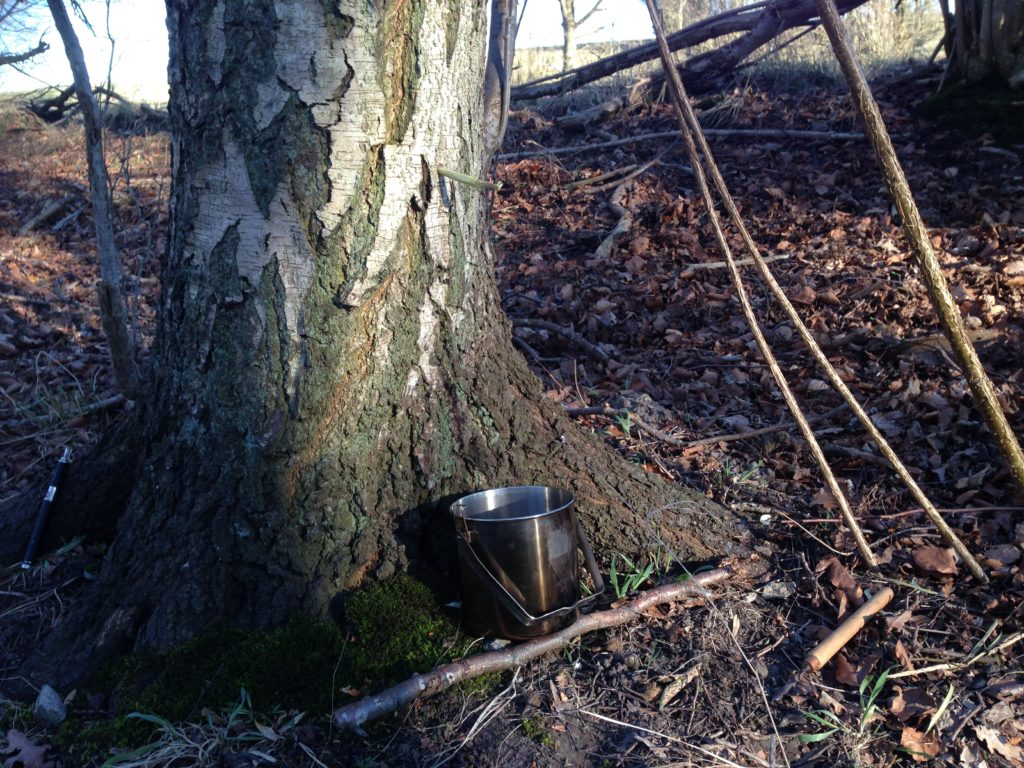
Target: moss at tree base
x=392 y=630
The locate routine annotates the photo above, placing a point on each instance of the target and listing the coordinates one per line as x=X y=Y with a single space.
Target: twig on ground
x=957 y=666
x=842 y=634
x=614 y=173
x=638 y=171
x=782 y=425
x=708 y=752
x=544 y=325
x=48 y=211
x=739 y=263
x=730 y=133
x=634 y=420
x=622 y=226
x=352 y=716
x=526 y=349
x=32 y=301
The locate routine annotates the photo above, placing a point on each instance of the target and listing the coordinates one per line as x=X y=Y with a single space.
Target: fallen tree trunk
x=760 y=23
x=352 y=716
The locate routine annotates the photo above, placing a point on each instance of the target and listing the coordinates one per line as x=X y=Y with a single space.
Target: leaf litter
x=722 y=677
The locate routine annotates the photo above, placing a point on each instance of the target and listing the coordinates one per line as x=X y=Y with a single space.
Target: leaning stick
x=920 y=245
x=690 y=128
x=821 y=358
x=841 y=635
x=352 y=716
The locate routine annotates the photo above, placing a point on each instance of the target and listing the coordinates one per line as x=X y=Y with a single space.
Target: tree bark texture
x=989 y=40
x=333 y=365
x=569 y=58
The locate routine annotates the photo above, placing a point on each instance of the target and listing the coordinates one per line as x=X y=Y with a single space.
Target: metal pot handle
x=512 y=602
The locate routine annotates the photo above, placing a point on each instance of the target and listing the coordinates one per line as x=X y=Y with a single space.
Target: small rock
x=779 y=590
x=49 y=708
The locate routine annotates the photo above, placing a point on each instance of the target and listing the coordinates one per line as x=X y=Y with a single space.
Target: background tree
x=570 y=55
x=332 y=362
x=17 y=23
x=986 y=39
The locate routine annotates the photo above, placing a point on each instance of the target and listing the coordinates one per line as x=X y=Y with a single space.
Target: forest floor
x=936 y=678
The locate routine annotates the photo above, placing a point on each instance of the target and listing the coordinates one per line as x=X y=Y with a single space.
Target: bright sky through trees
x=140 y=54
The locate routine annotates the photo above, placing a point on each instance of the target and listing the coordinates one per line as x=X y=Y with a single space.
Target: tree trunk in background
x=569 y=58
x=989 y=40
x=333 y=362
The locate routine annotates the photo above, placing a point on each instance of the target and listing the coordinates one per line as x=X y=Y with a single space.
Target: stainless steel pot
x=520 y=568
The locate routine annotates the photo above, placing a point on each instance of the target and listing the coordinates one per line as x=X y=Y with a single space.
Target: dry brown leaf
x=911 y=703
x=22 y=750
x=825 y=699
x=903 y=657
x=896 y=623
x=843 y=580
x=1000 y=745
x=1004 y=554
x=935 y=560
x=845 y=672
x=823 y=498
x=803 y=295
x=921 y=746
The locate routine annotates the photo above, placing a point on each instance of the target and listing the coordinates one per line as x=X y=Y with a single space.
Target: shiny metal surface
x=522 y=541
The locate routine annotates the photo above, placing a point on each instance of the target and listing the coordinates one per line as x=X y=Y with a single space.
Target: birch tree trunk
x=570 y=59
x=333 y=362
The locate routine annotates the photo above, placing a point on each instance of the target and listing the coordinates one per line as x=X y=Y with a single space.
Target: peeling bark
x=333 y=364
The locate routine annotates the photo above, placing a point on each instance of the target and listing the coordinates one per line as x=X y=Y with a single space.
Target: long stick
x=352 y=716
x=822 y=359
x=914 y=228
x=687 y=124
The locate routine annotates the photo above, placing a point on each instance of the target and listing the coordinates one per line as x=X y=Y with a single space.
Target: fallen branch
x=739 y=263
x=622 y=226
x=352 y=716
x=544 y=325
x=759 y=22
x=773 y=134
x=638 y=170
x=48 y=211
x=841 y=635
x=781 y=426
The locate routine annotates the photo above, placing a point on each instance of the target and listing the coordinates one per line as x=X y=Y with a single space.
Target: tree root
x=352 y=716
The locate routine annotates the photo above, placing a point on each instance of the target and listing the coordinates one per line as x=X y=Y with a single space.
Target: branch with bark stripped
x=352 y=716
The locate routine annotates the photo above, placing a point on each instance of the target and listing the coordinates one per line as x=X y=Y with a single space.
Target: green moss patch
x=393 y=630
